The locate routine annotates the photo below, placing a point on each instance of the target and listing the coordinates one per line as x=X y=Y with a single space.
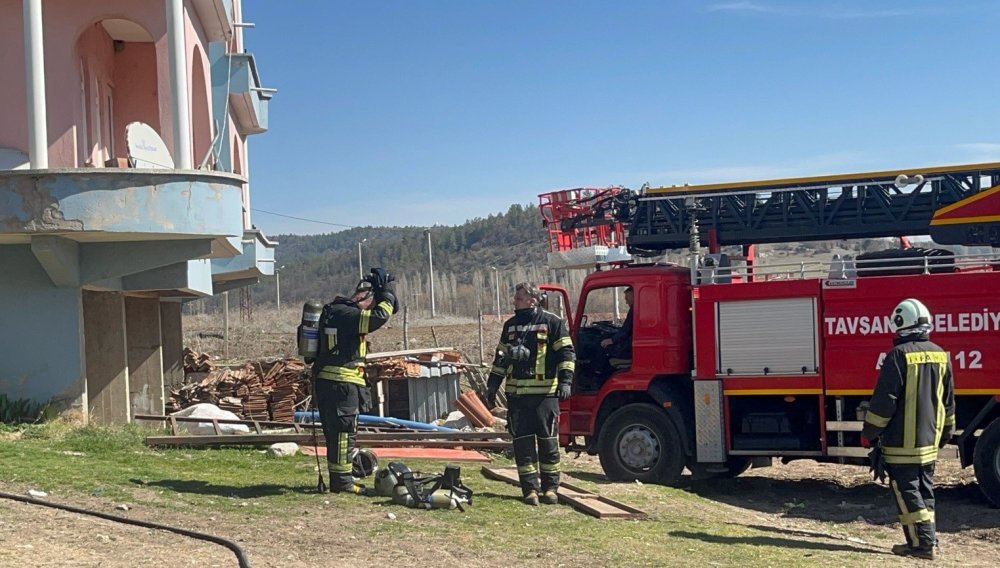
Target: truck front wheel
x=986 y=459
x=639 y=442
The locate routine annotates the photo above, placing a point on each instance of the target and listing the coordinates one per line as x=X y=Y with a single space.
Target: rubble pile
x=257 y=390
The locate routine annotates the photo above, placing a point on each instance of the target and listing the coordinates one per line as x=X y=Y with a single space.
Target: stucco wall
x=64 y=22
x=41 y=339
x=136 y=88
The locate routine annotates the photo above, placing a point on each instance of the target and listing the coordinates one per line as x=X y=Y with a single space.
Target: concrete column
x=178 y=84
x=245 y=168
x=34 y=64
x=172 y=338
x=144 y=354
x=107 y=363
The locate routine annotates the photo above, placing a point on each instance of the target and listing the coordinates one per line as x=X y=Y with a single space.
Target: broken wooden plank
x=576 y=497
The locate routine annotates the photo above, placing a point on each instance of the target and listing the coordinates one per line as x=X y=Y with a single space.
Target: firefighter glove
x=876 y=464
x=564 y=391
x=491 y=397
x=865 y=442
x=945 y=437
x=380 y=278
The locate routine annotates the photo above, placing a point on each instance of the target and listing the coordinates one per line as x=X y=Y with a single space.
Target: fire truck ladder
x=954 y=204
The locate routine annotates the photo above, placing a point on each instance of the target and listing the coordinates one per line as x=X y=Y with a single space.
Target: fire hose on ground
x=240 y=555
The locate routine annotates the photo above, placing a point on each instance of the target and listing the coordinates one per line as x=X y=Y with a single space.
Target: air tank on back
x=308 y=332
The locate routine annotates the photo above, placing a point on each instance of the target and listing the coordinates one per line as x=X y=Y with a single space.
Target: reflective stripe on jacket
x=551 y=358
x=343 y=326
x=913 y=403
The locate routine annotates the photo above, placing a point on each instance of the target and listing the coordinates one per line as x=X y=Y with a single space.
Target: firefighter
x=339 y=370
x=535 y=355
x=618 y=347
x=912 y=415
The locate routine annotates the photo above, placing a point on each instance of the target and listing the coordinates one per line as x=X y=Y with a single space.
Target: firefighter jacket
x=535 y=354
x=913 y=405
x=343 y=326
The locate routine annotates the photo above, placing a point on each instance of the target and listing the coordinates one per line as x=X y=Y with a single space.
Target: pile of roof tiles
x=258 y=390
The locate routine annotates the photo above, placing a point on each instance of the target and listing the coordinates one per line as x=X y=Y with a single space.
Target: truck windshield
x=605 y=306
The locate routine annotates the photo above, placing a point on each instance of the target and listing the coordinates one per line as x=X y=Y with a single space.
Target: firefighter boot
x=531 y=498
x=550 y=497
x=926 y=553
x=355 y=488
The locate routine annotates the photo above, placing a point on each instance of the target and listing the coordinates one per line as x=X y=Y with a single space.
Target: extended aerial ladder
x=953 y=204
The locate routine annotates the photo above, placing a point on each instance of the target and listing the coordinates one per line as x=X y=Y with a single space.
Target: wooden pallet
x=575 y=496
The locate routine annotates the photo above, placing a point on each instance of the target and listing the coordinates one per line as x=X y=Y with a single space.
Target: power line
x=304 y=219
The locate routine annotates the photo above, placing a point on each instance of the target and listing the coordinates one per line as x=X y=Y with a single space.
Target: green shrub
x=23 y=410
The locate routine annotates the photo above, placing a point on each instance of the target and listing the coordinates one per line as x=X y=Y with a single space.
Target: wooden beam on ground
x=575 y=496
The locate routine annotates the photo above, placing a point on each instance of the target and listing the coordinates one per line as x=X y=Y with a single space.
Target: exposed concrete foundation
x=172 y=336
x=107 y=363
x=145 y=355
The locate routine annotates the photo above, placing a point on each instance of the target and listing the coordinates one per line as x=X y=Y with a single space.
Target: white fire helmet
x=909 y=314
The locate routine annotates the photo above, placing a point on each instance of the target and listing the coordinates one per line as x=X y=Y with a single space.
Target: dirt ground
x=791 y=504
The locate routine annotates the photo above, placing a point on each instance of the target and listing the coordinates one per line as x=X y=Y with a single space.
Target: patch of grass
x=244 y=486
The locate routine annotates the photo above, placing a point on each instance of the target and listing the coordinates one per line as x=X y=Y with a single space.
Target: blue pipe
x=313 y=416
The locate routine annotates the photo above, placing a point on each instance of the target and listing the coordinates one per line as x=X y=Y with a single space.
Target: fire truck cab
x=723 y=373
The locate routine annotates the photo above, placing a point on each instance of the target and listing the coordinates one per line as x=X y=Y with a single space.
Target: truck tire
x=986 y=459
x=639 y=442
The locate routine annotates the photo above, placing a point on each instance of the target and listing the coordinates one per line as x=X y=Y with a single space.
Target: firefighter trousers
x=913 y=492
x=339 y=403
x=533 y=421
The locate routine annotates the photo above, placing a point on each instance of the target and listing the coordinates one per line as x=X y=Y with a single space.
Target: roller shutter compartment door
x=773 y=337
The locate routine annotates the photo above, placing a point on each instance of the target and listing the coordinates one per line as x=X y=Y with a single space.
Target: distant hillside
x=323 y=266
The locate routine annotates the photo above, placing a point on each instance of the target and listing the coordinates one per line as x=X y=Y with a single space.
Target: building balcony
x=256 y=260
x=247 y=98
x=129 y=230
x=216 y=18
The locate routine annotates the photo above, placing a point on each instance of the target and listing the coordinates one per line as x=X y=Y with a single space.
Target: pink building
x=100 y=242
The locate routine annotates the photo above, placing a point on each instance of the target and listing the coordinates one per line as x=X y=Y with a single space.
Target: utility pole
x=496 y=286
x=225 y=323
x=361 y=270
x=430 y=262
x=277 y=286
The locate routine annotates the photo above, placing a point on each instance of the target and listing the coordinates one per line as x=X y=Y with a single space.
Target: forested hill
x=322 y=266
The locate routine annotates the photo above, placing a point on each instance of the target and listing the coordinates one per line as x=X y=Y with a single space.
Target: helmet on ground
x=909 y=314
x=364 y=462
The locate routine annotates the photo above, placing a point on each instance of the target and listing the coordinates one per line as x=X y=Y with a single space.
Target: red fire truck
x=736 y=363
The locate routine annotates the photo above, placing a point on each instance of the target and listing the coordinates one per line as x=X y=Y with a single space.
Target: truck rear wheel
x=639 y=442
x=986 y=459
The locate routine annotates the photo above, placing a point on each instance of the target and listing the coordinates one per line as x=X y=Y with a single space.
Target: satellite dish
x=11 y=159
x=145 y=147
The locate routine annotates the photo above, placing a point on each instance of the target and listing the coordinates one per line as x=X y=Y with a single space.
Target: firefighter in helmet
x=912 y=414
x=339 y=369
x=535 y=356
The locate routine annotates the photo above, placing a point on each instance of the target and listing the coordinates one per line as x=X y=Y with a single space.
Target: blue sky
x=436 y=112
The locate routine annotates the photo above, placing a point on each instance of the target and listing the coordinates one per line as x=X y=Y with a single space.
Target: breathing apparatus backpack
x=409 y=488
